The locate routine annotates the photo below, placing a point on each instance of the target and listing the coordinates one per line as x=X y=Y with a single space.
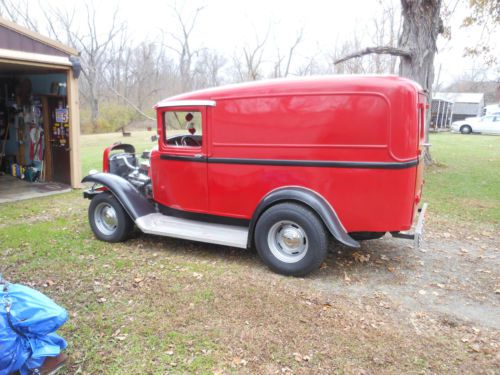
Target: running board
x=170 y=226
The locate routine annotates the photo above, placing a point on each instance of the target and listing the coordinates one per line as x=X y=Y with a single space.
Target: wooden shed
x=39 y=107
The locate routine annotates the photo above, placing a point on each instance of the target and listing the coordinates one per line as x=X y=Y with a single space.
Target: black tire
x=108 y=220
x=291 y=224
x=465 y=129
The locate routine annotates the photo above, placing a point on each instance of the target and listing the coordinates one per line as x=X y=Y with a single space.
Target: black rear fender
x=310 y=199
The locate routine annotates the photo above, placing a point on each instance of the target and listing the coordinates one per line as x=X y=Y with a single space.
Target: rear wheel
x=465 y=129
x=291 y=239
x=108 y=220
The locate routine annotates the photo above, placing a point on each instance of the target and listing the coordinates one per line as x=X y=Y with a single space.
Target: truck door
x=179 y=169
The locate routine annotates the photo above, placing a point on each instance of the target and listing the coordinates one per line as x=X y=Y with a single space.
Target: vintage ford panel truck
x=282 y=165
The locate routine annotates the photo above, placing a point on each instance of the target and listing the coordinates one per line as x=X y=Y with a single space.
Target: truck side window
x=183 y=128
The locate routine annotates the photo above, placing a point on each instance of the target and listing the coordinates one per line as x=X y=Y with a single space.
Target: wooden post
x=74 y=129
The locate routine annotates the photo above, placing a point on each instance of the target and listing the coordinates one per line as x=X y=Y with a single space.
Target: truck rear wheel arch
x=309 y=199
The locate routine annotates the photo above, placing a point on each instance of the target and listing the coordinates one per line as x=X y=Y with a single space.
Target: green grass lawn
x=464 y=181
x=156 y=305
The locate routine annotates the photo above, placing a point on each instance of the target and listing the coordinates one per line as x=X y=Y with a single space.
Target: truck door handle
x=198 y=156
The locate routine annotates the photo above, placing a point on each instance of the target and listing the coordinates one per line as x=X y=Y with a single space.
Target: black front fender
x=130 y=198
x=310 y=199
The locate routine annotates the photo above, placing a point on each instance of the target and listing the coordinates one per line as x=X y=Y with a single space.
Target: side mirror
x=154 y=138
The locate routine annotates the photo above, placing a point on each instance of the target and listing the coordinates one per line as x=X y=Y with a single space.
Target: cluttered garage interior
x=39 y=115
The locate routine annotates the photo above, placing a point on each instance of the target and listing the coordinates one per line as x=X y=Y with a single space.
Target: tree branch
x=382 y=50
x=131 y=104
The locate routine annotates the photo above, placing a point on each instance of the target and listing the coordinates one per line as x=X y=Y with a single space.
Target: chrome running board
x=169 y=226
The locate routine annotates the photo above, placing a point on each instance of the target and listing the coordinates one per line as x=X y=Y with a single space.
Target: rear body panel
x=356 y=141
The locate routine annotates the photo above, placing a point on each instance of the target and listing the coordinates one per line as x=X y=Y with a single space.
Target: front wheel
x=108 y=220
x=466 y=129
x=291 y=239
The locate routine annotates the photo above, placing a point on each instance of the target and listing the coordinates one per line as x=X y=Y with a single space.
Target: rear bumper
x=418 y=230
x=419 y=227
x=90 y=193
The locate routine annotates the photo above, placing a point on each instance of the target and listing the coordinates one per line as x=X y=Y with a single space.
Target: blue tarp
x=28 y=320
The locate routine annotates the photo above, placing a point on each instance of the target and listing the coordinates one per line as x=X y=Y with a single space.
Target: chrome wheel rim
x=287 y=241
x=105 y=218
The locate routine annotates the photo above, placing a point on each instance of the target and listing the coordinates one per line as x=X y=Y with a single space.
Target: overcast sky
x=225 y=25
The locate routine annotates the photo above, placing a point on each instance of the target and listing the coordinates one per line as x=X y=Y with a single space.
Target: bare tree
x=208 y=68
x=484 y=14
x=283 y=62
x=144 y=73
x=249 y=66
x=182 y=46
x=93 y=53
x=18 y=11
x=382 y=31
x=386 y=29
x=350 y=66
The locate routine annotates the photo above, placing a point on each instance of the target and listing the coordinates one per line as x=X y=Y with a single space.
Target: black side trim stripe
x=317 y=163
x=201 y=159
x=298 y=163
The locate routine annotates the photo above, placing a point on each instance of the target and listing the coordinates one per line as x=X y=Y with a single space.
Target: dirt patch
x=454 y=276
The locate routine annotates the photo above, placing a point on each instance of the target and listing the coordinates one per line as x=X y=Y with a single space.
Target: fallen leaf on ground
x=361 y=258
x=475 y=347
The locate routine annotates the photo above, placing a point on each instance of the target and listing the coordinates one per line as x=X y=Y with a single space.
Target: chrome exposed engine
x=126 y=165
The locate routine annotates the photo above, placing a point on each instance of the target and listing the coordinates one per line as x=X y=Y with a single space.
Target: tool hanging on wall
x=20 y=133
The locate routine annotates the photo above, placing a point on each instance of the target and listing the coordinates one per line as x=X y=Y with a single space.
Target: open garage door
x=39 y=114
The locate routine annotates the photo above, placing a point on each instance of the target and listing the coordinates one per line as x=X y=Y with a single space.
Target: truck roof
x=302 y=85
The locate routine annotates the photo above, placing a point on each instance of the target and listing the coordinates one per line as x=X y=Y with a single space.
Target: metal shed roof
x=17 y=37
x=460 y=97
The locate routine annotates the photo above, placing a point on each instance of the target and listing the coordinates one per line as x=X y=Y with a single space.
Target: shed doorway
x=39 y=114
x=34 y=127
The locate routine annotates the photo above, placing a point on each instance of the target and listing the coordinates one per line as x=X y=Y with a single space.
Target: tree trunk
x=94 y=112
x=421 y=27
